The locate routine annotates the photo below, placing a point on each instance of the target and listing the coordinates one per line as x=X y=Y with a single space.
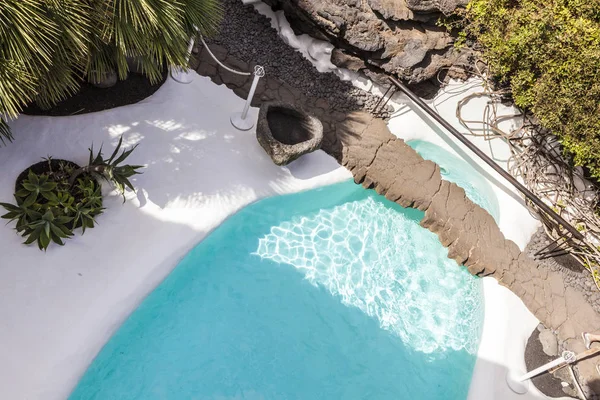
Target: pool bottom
x=234 y=322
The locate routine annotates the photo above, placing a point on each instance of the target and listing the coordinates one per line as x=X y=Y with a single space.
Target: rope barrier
x=219 y=62
x=576 y=383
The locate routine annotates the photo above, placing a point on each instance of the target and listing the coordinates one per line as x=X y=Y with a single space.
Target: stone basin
x=287 y=132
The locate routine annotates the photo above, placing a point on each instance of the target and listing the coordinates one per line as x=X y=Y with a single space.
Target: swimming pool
x=334 y=293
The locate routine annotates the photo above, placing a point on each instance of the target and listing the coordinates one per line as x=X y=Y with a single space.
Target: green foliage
x=47 y=48
x=549 y=53
x=86 y=211
x=51 y=205
x=34 y=186
x=109 y=169
x=48 y=209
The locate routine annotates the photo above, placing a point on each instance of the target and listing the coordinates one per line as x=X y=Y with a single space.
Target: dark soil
x=42 y=168
x=535 y=357
x=91 y=99
x=289 y=126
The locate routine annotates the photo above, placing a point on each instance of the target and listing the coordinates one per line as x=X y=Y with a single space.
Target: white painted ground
x=58 y=309
x=508 y=323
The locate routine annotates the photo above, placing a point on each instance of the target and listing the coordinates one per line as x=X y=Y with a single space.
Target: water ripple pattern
x=381 y=261
x=230 y=324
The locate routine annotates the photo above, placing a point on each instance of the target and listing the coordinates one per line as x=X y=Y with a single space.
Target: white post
x=520 y=384
x=239 y=120
x=180 y=74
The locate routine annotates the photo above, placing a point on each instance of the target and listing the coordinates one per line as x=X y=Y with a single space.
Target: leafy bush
x=549 y=53
x=48 y=47
x=63 y=197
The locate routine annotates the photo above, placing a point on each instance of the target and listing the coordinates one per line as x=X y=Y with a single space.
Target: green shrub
x=63 y=197
x=549 y=53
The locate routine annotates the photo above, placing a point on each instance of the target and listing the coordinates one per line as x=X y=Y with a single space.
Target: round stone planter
x=286 y=132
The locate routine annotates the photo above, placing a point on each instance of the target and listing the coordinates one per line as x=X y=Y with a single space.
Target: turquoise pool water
x=457 y=170
x=333 y=293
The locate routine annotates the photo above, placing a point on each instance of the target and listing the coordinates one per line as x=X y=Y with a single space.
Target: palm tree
x=47 y=48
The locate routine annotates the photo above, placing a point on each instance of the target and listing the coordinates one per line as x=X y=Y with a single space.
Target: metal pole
x=250 y=96
x=528 y=194
x=567 y=357
x=238 y=120
x=178 y=73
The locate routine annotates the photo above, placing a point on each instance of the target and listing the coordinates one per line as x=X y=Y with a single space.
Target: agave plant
x=47 y=227
x=18 y=212
x=51 y=205
x=109 y=169
x=86 y=211
x=47 y=48
x=34 y=186
x=42 y=213
x=47 y=209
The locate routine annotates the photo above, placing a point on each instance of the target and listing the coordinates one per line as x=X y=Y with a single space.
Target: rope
x=576 y=383
x=219 y=62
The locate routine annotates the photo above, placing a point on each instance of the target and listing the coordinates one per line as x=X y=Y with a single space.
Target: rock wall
x=379 y=37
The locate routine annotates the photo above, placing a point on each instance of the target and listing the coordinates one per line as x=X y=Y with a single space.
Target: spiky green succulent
x=111 y=169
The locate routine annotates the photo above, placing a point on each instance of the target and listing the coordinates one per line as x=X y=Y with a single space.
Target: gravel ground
x=535 y=357
x=249 y=37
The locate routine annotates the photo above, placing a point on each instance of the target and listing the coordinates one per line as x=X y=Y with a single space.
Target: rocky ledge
x=380 y=37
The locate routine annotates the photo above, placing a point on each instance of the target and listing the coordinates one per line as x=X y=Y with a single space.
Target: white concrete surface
x=506 y=328
x=58 y=308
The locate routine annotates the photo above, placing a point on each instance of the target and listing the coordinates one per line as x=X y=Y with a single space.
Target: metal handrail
x=518 y=185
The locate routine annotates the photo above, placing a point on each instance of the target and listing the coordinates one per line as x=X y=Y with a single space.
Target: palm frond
x=5 y=133
x=206 y=15
x=47 y=48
